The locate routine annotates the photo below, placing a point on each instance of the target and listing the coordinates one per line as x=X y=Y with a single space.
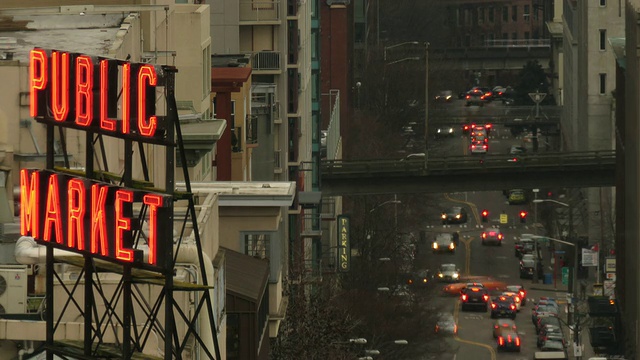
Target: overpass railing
x=464 y=164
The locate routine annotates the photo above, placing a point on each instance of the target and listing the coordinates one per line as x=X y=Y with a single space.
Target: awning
x=247 y=276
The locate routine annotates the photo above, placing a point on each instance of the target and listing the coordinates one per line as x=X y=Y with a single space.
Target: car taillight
x=493 y=306
x=517 y=341
x=464 y=297
x=468 y=96
x=484 y=235
x=521 y=293
x=485 y=297
x=513 y=307
x=501 y=341
x=508 y=338
x=455 y=328
x=517 y=299
x=484 y=147
x=500 y=236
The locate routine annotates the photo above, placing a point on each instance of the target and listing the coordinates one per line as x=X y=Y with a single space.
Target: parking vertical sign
x=344 y=243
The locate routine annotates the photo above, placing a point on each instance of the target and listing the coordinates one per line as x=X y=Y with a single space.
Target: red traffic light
x=485 y=213
x=523 y=214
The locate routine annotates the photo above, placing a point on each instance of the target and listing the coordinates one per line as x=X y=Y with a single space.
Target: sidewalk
x=559 y=291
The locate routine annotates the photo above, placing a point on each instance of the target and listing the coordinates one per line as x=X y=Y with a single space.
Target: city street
x=475 y=339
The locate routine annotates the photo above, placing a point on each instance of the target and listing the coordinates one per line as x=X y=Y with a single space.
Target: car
x=509 y=341
x=521 y=292
x=474 y=297
x=493 y=236
x=515 y=297
x=454 y=215
x=413 y=157
x=498 y=91
x=448 y=273
x=503 y=325
x=446 y=324
x=547 y=319
x=474 y=97
x=444 y=132
x=478 y=130
x=520 y=245
x=486 y=91
x=444 y=96
x=550 y=332
x=553 y=345
x=540 y=311
x=478 y=147
x=517 y=197
x=528 y=268
x=443 y=242
x=421 y=278
x=503 y=306
x=527 y=257
x=516 y=152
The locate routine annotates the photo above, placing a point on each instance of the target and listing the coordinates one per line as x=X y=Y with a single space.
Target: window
x=206 y=72
x=525 y=13
x=526 y=35
x=603 y=84
x=482 y=40
x=480 y=15
x=603 y=39
x=514 y=13
x=603 y=2
x=257 y=245
x=505 y=13
x=491 y=14
x=514 y=36
x=505 y=36
x=467 y=40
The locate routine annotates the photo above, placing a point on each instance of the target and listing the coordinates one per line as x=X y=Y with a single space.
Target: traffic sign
x=504 y=219
x=537 y=97
x=565 y=275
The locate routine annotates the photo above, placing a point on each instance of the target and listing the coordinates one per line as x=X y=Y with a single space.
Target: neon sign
x=91 y=217
x=81 y=92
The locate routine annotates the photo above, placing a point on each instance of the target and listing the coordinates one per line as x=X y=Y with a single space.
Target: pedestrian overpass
x=468 y=173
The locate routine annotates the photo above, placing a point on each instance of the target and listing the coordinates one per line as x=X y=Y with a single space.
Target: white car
x=448 y=273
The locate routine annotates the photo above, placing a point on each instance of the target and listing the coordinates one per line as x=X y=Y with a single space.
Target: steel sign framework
x=98 y=214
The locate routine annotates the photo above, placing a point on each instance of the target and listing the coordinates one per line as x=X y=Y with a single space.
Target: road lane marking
x=456 y=315
x=474 y=208
x=467 y=254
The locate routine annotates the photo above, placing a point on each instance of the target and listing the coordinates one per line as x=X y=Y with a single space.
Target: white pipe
x=28 y=252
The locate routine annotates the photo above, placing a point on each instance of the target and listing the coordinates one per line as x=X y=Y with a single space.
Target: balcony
x=266 y=61
x=263 y=12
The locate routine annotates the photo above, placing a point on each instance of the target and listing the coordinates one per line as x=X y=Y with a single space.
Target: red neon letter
x=37 y=77
x=154 y=201
x=126 y=98
x=98 y=219
x=29 y=203
x=105 y=122
x=52 y=216
x=84 y=90
x=122 y=224
x=76 y=206
x=147 y=73
x=60 y=85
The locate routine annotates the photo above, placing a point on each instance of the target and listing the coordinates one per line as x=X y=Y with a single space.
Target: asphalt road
x=475 y=339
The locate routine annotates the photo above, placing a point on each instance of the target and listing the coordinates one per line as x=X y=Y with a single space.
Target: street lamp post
x=426 y=103
x=394 y=201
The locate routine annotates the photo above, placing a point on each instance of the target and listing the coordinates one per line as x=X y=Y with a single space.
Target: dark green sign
x=344 y=243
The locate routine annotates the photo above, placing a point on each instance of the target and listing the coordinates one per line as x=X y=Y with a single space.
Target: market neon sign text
x=82 y=92
x=90 y=217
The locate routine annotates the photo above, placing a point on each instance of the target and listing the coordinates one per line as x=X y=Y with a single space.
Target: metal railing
x=451 y=164
x=266 y=60
x=518 y=43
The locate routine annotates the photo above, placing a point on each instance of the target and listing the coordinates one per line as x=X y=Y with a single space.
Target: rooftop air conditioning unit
x=13 y=289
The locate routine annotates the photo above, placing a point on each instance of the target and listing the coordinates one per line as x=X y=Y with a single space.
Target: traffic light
x=485 y=216
x=523 y=216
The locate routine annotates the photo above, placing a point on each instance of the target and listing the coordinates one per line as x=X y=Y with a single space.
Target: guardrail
x=453 y=164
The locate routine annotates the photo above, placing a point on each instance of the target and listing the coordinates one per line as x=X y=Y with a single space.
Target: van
x=549 y=355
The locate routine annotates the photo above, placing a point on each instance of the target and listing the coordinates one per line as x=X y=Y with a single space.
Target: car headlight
x=448 y=97
x=450 y=130
x=456 y=275
x=457 y=216
x=444 y=216
x=452 y=245
x=438 y=131
x=435 y=245
x=440 y=275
